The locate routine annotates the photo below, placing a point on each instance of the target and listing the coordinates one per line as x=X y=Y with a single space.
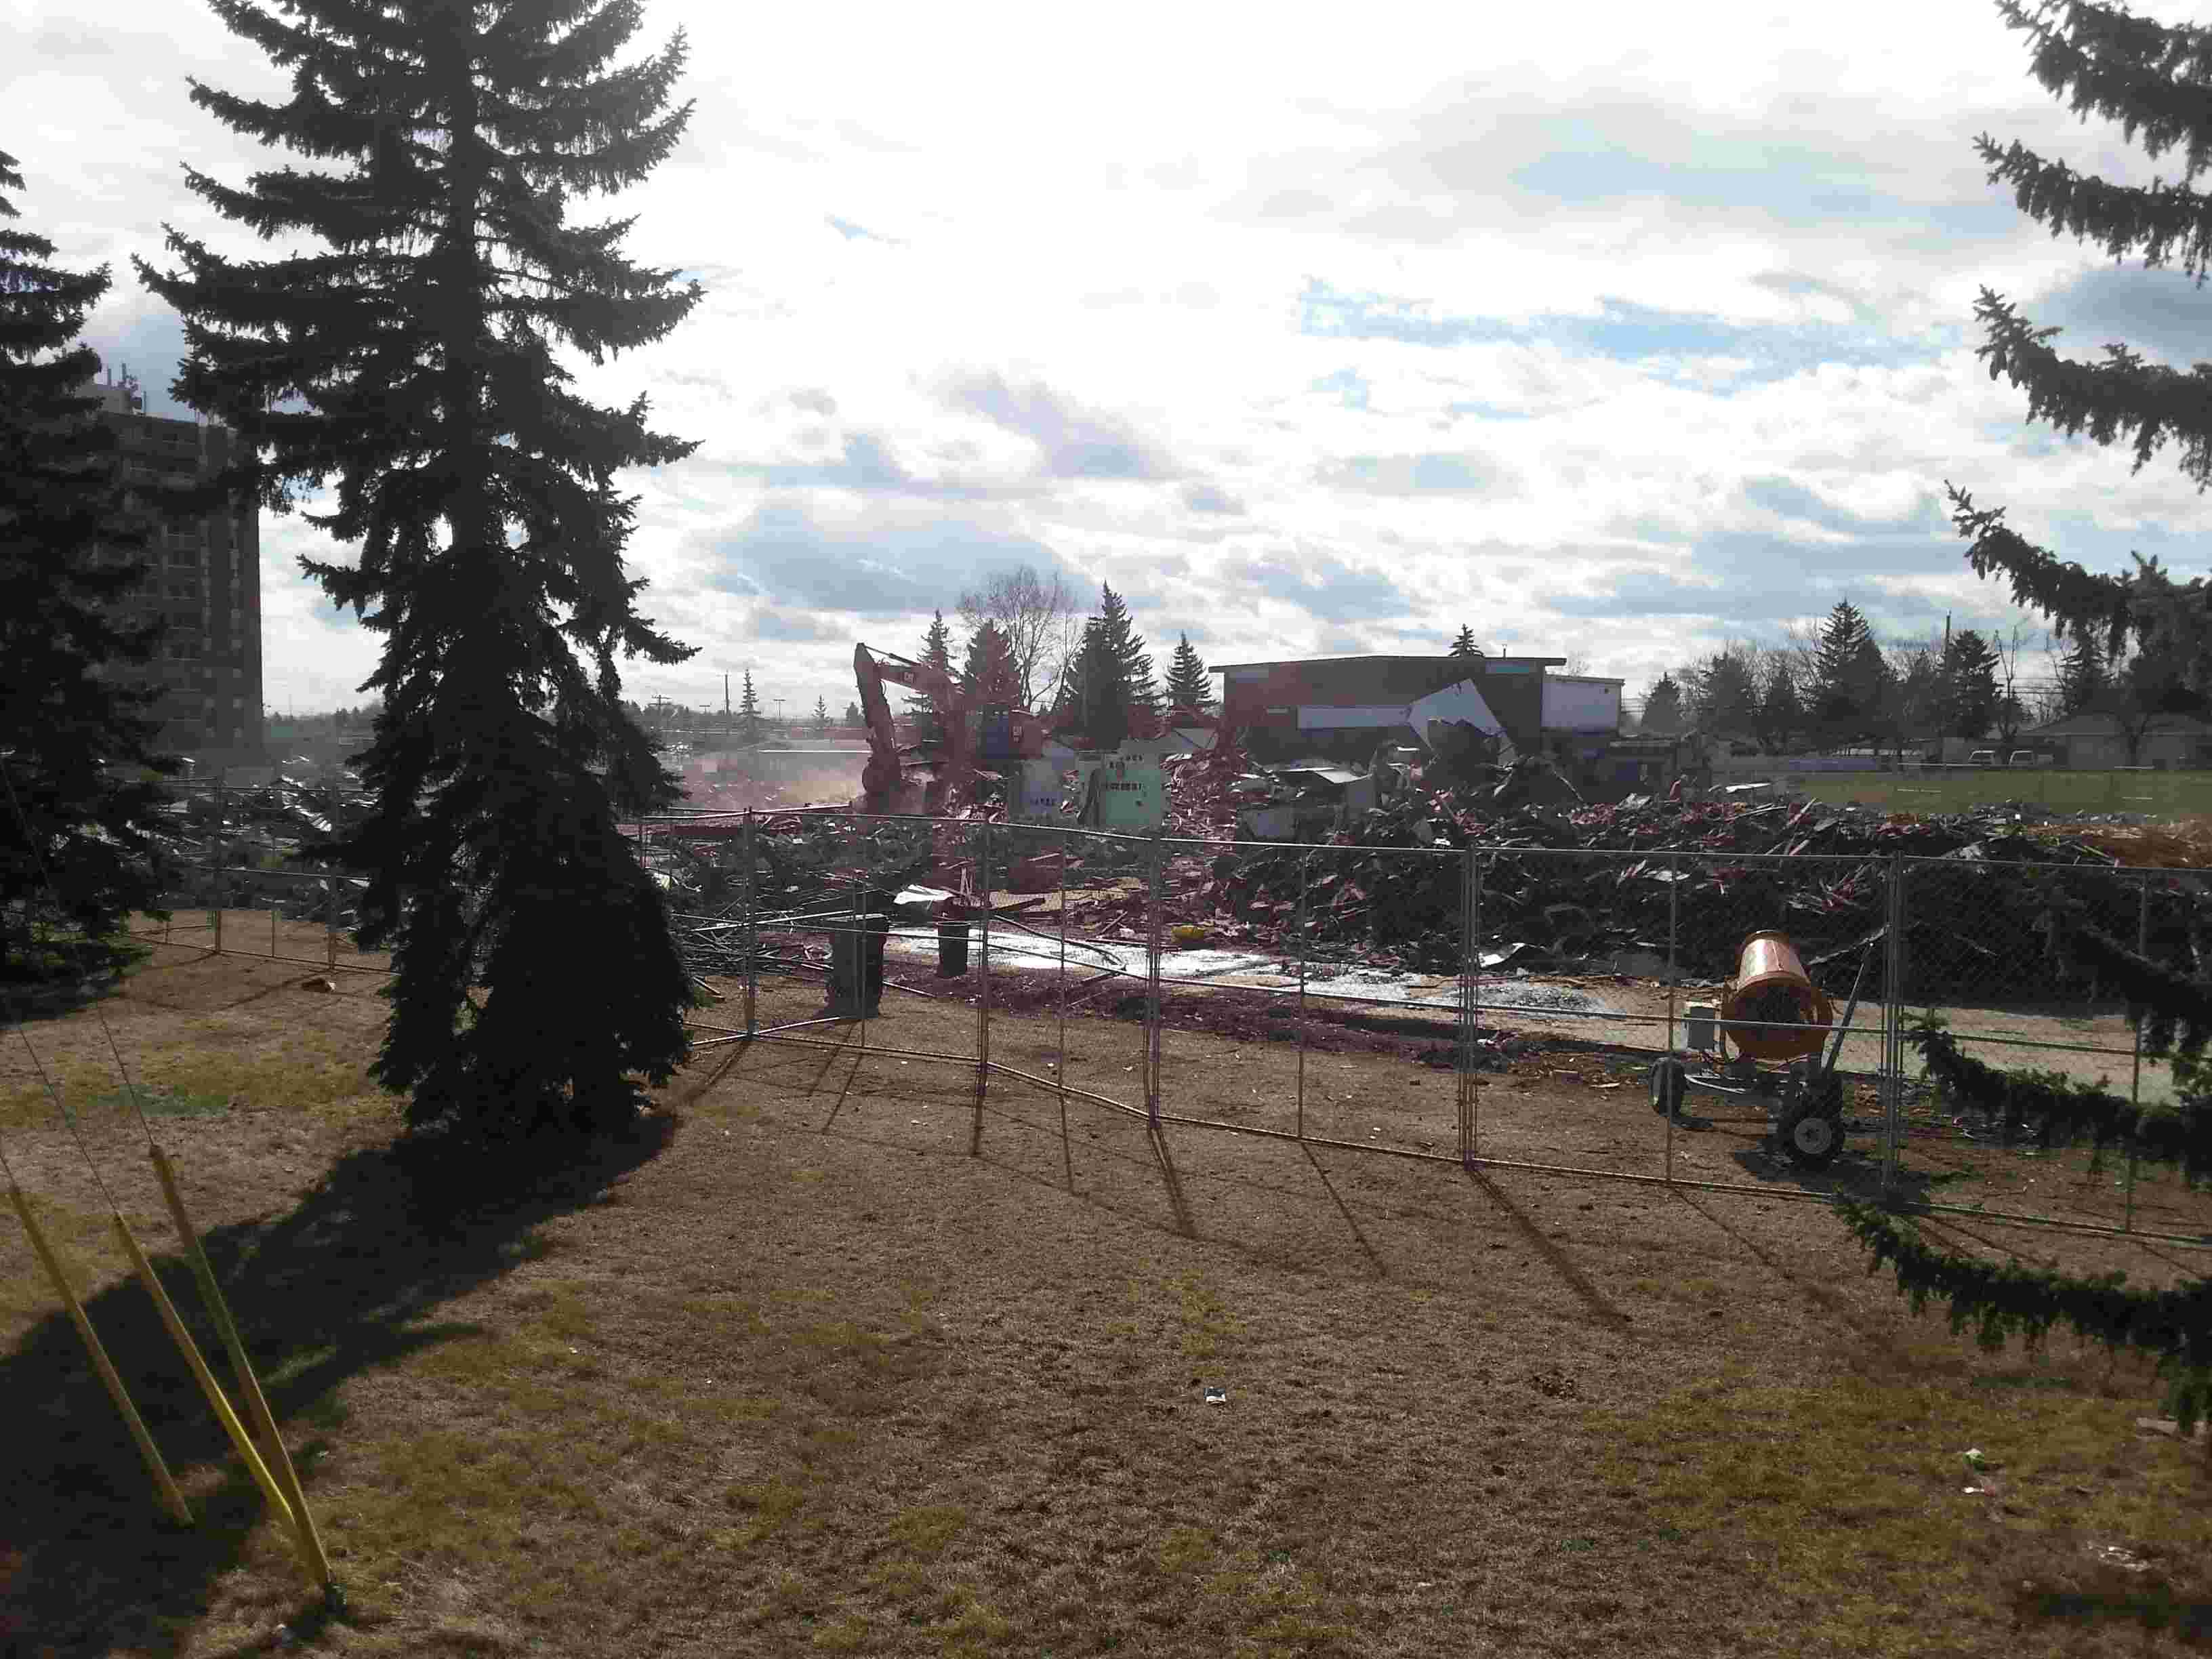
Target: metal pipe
x=1305 y=871
x=222 y=820
x=1836 y=1049
x=1674 y=935
x=164 y=1484
x=1469 y=952
x=861 y=953
x=2135 y=1082
x=1016 y=1073
x=1059 y=998
x=1152 y=986
x=1893 y=1083
x=984 y=1000
x=750 y=900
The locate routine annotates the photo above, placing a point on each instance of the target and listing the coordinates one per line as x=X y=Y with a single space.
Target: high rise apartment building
x=205 y=582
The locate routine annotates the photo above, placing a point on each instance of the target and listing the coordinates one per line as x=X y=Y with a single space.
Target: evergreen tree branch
x=2005 y=1301
x=2109 y=400
x=2180 y=1134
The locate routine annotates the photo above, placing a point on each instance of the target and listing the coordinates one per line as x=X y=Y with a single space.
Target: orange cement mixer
x=1770 y=993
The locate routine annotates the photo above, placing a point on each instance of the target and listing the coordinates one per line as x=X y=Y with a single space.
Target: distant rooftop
x=1389 y=656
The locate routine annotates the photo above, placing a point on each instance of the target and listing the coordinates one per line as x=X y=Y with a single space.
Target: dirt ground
x=840 y=1356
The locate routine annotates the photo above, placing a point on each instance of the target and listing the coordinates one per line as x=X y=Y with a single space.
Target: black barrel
x=951 y=949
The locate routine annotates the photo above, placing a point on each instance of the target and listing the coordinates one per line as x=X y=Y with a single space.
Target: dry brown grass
x=805 y=1375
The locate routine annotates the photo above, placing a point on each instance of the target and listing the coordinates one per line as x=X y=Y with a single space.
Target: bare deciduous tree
x=1037 y=614
x=2013 y=710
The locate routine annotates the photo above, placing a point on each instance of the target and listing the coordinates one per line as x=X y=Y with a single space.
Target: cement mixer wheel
x=1812 y=1137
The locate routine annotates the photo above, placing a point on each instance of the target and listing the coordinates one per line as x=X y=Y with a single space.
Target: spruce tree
x=749 y=713
x=1132 y=662
x=821 y=716
x=2083 y=675
x=1663 y=708
x=921 y=710
x=1723 y=693
x=71 y=551
x=990 y=676
x=1463 y=643
x=1189 y=686
x=1969 y=692
x=1100 y=695
x=1781 y=714
x=2149 y=78
x=415 y=360
x=1846 y=676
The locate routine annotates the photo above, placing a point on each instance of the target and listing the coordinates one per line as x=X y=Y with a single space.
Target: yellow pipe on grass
x=172 y=1496
x=239 y=1438
x=310 y=1542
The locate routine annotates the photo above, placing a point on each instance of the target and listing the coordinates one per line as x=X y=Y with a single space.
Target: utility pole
x=726 y=704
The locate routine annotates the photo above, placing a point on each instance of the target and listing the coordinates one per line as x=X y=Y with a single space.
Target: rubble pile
x=1201 y=790
x=1977 y=922
x=250 y=836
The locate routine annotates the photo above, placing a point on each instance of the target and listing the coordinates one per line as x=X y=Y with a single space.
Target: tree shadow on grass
x=2154 y=1610
x=338 y=1286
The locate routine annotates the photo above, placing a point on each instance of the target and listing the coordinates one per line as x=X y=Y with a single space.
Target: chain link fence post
x=748 y=899
x=1470 y=955
x=2135 y=1084
x=1668 y=1118
x=1892 y=1058
x=208 y=869
x=983 y=997
x=1305 y=873
x=865 y=984
x=1674 y=935
x=331 y=920
x=1153 y=982
x=1059 y=998
x=221 y=846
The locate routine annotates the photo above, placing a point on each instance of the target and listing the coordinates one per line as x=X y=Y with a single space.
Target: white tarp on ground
x=1015 y=947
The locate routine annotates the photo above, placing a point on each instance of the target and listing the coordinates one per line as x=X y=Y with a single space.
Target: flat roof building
x=204 y=580
x=1343 y=707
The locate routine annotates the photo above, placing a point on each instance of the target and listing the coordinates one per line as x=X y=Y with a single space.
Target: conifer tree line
x=1838 y=686
x=1095 y=677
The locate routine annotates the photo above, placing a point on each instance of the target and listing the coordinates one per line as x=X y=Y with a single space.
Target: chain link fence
x=1510 y=975
x=240 y=888
x=1983 y=950
x=1513 y=969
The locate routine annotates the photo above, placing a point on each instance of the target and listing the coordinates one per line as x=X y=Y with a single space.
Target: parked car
x=1983 y=757
x=2025 y=757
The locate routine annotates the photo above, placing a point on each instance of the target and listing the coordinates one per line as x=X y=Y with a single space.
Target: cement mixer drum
x=1771 y=993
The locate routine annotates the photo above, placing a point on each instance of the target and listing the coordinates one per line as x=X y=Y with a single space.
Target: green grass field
x=2163 y=794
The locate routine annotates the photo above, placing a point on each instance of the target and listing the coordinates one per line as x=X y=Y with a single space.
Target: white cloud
x=1299 y=337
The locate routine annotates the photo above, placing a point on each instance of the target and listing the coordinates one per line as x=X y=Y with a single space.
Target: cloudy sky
x=1612 y=336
